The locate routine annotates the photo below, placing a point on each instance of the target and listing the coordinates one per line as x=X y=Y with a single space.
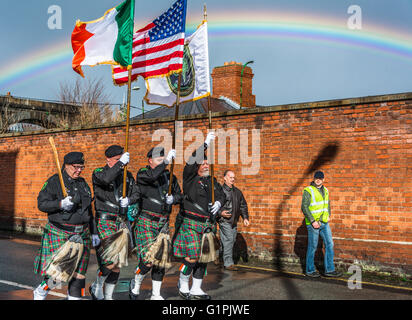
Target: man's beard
x=205 y=173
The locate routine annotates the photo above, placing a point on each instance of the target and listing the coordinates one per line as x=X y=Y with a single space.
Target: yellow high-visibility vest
x=319 y=206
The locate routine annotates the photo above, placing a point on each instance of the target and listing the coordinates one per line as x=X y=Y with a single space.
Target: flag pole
x=59 y=172
x=211 y=154
x=129 y=93
x=126 y=146
x=212 y=166
x=172 y=166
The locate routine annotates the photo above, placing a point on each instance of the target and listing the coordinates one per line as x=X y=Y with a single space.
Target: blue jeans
x=313 y=237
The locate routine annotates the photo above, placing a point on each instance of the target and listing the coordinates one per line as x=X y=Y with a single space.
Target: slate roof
x=192 y=107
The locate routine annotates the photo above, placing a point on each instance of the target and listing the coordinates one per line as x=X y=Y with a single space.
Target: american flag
x=158 y=47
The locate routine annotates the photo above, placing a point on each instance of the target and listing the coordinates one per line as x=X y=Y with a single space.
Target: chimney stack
x=227 y=80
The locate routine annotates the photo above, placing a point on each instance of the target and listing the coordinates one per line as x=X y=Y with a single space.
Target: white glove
x=66 y=204
x=95 y=240
x=169 y=199
x=215 y=208
x=210 y=137
x=124 y=202
x=125 y=158
x=171 y=155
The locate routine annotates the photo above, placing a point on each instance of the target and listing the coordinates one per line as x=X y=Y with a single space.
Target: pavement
x=17 y=280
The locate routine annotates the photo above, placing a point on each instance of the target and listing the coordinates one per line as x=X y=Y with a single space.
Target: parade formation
x=131 y=216
x=148 y=205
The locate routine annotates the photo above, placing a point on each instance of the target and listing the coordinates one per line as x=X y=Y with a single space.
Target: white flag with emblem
x=195 y=82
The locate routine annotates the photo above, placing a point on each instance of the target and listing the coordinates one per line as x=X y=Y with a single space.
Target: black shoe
x=132 y=296
x=333 y=274
x=183 y=295
x=200 y=297
x=314 y=274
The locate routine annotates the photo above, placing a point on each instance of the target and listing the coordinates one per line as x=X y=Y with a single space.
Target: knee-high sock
x=158 y=273
x=76 y=288
x=97 y=286
x=140 y=274
x=110 y=284
x=199 y=272
x=186 y=269
x=196 y=287
x=102 y=275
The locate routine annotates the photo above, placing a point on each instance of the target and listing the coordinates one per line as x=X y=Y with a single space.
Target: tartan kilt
x=52 y=240
x=105 y=229
x=145 y=232
x=188 y=241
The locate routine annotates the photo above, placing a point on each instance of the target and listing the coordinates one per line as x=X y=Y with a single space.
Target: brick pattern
x=226 y=82
x=365 y=151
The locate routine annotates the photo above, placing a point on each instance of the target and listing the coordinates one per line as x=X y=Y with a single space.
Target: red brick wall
x=364 y=146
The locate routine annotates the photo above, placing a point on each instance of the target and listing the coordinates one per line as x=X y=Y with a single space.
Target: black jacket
x=154 y=185
x=51 y=194
x=197 y=189
x=108 y=188
x=239 y=206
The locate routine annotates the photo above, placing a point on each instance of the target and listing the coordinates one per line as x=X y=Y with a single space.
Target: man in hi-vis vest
x=316 y=208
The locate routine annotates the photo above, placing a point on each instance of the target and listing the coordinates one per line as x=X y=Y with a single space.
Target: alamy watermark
x=55 y=21
x=355 y=20
x=355 y=280
x=244 y=146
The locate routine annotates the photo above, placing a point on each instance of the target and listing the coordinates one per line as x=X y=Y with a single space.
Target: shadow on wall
x=240 y=249
x=7 y=190
x=326 y=155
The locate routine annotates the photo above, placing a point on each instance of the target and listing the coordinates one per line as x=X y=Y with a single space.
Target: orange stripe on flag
x=79 y=37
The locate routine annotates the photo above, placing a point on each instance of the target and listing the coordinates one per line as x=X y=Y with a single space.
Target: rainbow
x=256 y=26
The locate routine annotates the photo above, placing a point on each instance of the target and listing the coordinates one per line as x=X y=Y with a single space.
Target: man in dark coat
x=67 y=217
x=234 y=207
x=156 y=206
x=199 y=215
x=111 y=213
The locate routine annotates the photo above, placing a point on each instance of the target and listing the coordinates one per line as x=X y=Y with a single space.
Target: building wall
x=363 y=145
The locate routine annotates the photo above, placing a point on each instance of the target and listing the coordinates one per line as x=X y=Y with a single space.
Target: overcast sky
x=302 y=50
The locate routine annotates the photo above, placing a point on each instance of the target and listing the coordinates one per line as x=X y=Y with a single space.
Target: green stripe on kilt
x=52 y=240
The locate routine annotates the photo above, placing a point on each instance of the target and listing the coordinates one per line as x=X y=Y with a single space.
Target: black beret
x=113 y=151
x=319 y=175
x=74 y=158
x=156 y=152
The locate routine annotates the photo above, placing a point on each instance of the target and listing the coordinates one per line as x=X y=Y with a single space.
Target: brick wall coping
x=257 y=110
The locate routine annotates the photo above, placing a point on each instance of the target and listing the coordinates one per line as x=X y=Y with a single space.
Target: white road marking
x=18 y=285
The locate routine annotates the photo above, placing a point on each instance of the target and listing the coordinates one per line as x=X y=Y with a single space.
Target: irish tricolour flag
x=107 y=40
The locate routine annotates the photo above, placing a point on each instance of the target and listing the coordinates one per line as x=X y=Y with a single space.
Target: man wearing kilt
x=153 y=221
x=198 y=217
x=111 y=215
x=68 y=218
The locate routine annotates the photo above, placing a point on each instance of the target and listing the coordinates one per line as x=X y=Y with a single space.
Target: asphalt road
x=17 y=281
